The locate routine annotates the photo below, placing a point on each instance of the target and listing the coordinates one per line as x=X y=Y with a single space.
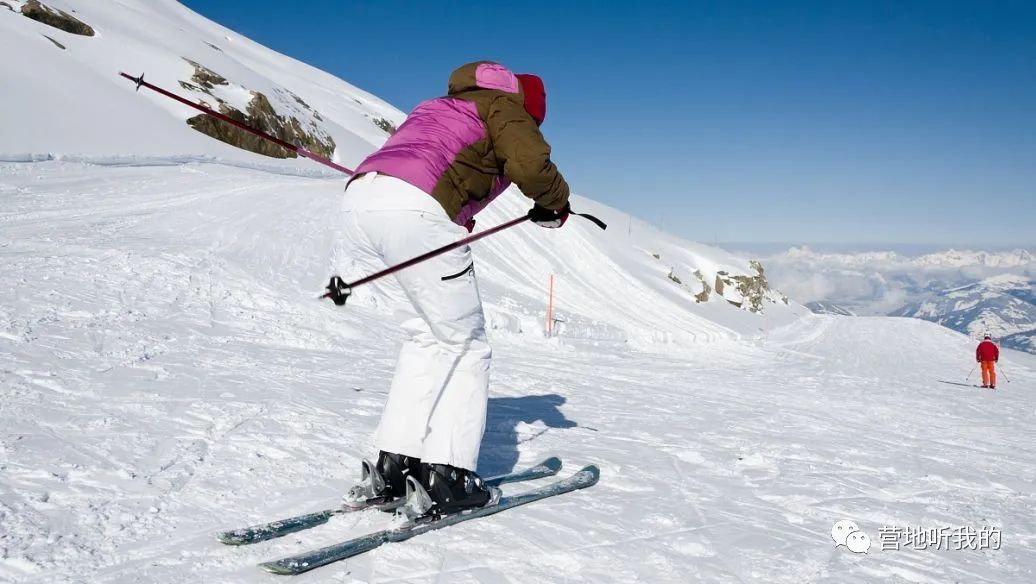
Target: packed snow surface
x=168 y=374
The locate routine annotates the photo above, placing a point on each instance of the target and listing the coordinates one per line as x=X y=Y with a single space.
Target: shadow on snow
x=512 y=421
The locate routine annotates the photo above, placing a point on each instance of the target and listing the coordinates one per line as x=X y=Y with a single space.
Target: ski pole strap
x=591 y=218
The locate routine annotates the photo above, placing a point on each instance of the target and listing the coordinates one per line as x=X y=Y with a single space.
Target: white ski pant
x=436 y=408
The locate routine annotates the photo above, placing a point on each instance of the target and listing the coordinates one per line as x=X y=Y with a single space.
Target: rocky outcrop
x=385 y=125
x=706 y=291
x=742 y=291
x=204 y=77
x=260 y=115
x=753 y=289
x=59 y=19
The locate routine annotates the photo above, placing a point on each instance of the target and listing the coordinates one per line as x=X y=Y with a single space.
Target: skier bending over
x=987 y=354
x=420 y=191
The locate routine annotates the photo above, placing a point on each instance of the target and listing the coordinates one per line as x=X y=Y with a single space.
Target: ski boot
x=444 y=490
x=383 y=482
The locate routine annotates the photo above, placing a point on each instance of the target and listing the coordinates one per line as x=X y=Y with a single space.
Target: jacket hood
x=485 y=75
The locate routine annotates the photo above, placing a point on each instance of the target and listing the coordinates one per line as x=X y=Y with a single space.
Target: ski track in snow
x=167 y=373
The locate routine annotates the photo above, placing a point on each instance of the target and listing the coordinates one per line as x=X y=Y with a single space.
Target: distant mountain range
x=969 y=291
x=1002 y=306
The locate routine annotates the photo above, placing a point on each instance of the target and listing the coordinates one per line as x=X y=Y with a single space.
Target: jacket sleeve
x=996 y=353
x=978 y=352
x=525 y=154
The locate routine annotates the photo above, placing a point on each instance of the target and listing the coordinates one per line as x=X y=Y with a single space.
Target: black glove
x=548 y=218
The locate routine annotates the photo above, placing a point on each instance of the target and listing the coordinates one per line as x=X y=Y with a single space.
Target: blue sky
x=838 y=122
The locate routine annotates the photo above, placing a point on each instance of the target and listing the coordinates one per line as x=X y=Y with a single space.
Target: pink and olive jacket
x=466 y=148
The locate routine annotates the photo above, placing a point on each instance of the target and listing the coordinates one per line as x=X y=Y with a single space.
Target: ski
x=306 y=561
x=282 y=527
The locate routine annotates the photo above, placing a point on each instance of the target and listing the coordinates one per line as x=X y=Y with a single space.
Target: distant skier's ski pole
x=1002 y=372
x=338 y=290
x=969 y=373
x=292 y=147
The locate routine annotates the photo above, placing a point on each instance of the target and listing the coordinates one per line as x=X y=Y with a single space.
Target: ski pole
x=338 y=290
x=969 y=373
x=1002 y=372
x=208 y=111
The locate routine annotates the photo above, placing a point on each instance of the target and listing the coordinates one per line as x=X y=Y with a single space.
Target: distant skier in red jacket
x=987 y=354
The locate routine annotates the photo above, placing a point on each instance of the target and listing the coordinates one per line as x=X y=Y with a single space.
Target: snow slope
x=166 y=371
x=82 y=108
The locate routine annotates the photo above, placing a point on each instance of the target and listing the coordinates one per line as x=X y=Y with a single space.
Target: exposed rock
x=299 y=100
x=8 y=6
x=386 y=125
x=753 y=289
x=57 y=18
x=215 y=47
x=56 y=44
x=205 y=77
x=261 y=116
x=673 y=276
x=706 y=291
x=720 y=283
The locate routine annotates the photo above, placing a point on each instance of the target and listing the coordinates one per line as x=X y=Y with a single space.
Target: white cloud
x=879 y=282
